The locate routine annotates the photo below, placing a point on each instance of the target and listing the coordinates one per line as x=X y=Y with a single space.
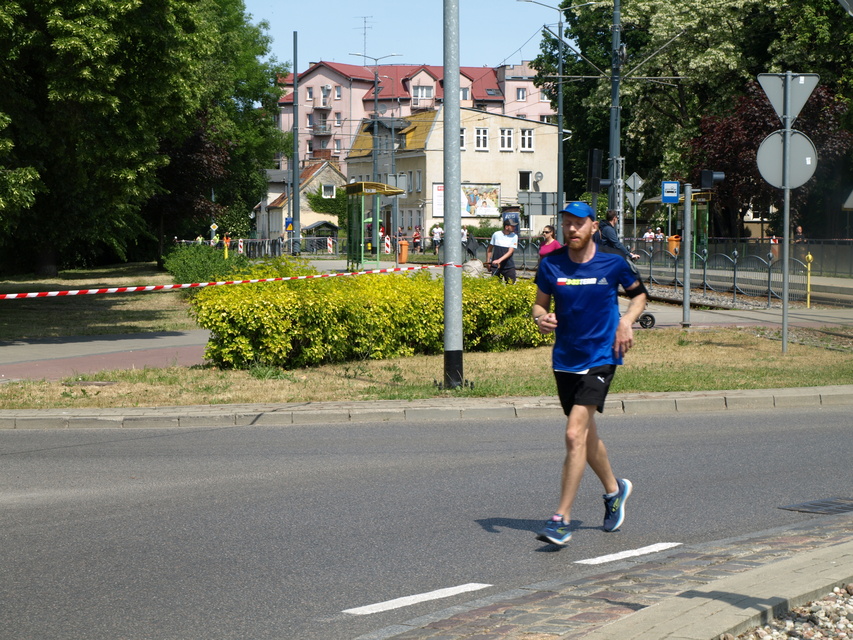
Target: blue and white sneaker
x=555 y=531
x=614 y=506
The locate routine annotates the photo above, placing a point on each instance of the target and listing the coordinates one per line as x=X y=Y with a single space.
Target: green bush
x=309 y=322
x=202 y=263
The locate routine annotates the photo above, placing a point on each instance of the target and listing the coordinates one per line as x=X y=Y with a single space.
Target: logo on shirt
x=575 y=282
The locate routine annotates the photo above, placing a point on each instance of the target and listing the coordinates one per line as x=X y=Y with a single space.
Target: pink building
x=335 y=98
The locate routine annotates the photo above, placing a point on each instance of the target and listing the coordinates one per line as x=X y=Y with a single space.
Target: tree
x=98 y=93
x=729 y=143
x=686 y=61
x=217 y=174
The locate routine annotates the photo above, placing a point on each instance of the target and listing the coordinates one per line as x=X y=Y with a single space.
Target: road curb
x=431 y=409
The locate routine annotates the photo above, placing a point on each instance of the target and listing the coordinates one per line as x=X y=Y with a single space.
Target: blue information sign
x=670 y=192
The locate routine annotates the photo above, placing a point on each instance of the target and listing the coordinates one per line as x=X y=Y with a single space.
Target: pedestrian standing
x=582 y=280
x=499 y=254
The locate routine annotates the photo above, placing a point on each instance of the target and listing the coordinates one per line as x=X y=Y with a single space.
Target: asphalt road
x=274 y=532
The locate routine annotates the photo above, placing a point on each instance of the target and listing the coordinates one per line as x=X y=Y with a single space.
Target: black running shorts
x=588 y=389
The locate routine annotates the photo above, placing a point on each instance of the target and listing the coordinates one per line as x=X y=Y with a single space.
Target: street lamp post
x=375 y=223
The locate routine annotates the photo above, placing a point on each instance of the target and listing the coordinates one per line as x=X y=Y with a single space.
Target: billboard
x=478 y=200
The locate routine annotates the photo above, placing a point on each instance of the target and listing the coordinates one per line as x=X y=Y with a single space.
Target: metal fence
x=748 y=275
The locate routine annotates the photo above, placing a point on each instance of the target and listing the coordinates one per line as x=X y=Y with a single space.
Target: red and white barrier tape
x=196 y=285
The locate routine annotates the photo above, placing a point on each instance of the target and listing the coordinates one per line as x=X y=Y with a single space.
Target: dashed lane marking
x=654 y=548
x=399 y=603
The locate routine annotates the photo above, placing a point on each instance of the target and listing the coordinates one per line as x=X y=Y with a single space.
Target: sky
x=492 y=32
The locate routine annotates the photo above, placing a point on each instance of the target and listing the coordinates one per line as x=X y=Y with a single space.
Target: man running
x=583 y=280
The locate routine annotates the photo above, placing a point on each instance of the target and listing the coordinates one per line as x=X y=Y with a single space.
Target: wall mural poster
x=478 y=200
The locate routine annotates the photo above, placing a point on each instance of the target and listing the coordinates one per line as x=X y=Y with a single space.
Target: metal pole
x=395 y=211
x=687 y=253
x=615 y=109
x=374 y=234
x=453 y=376
x=786 y=187
x=294 y=192
x=561 y=196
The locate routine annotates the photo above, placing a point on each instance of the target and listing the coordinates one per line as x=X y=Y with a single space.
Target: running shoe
x=614 y=506
x=555 y=532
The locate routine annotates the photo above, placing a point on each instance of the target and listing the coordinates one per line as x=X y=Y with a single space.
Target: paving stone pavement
x=686 y=594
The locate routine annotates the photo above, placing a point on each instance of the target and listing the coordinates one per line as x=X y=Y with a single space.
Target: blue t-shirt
x=587 y=306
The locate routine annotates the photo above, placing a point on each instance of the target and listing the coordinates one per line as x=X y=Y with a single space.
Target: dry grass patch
x=662 y=360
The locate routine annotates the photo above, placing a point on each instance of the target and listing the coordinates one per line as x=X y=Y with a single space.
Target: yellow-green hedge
x=300 y=323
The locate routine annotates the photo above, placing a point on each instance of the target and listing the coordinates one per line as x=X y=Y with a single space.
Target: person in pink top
x=549 y=241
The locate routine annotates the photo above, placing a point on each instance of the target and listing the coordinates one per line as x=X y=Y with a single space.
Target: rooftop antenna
x=364 y=28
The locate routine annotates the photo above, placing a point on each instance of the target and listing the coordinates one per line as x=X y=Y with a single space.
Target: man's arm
x=506 y=256
x=613 y=240
x=624 y=339
x=544 y=318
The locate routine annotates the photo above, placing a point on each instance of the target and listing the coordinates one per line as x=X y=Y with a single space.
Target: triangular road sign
x=847 y=5
x=848 y=204
x=802 y=85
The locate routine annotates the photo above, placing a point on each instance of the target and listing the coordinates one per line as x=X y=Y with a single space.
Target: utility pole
x=453 y=374
x=615 y=109
x=294 y=192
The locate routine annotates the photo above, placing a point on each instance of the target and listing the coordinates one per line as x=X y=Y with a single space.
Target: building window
x=411 y=186
x=506 y=140
x=464 y=93
x=328 y=191
x=420 y=183
x=338 y=145
x=337 y=92
x=421 y=92
x=527 y=139
x=309 y=94
x=524 y=180
x=338 y=120
x=310 y=119
x=462 y=138
x=521 y=94
x=481 y=139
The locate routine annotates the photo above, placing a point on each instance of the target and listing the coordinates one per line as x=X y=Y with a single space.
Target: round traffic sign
x=803 y=159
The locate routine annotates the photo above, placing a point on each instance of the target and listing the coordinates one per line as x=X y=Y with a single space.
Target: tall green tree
x=217 y=173
x=97 y=94
x=685 y=61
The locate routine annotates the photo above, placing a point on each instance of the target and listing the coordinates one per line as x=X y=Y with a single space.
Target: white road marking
x=410 y=600
x=654 y=548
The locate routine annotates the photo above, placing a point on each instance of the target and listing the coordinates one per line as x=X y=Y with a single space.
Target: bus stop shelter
x=363 y=222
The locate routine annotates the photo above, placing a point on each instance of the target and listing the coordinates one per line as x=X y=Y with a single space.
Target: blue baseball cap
x=579 y=210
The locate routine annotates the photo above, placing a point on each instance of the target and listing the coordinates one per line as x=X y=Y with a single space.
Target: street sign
x=669 y=193
x=802 y=85
x=848 y=6
x=803 y=159
x=634 y=182
x=214 y=227
x=635 y=198
x=848 y=204
x=537 y=197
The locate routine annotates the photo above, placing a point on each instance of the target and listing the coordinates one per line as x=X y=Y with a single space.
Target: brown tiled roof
x=395 y=80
